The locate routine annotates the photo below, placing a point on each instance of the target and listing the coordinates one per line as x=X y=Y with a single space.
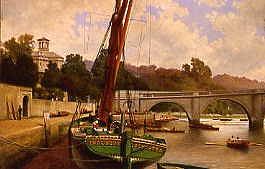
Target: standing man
x=19 y=112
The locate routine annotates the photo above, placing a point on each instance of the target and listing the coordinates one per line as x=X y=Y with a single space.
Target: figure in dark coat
x=19 y=112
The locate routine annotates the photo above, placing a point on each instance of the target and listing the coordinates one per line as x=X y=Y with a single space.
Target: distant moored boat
x=225 y=119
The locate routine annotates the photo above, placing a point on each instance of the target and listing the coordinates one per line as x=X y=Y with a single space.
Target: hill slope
x=234 y=82
x=169 y=79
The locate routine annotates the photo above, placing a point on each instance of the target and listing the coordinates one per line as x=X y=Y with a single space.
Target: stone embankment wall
x=40 y=106
x=12 y=96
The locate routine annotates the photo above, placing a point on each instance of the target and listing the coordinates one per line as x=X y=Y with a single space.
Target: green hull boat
x=102 y=149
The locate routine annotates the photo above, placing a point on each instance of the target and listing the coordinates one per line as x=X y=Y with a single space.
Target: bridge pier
x=194 y=117
x=197 y=121
x=256 y=124
x=256 y=114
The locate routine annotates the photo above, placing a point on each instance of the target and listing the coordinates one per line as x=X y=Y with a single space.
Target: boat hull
x=244 y=145
x=87 y=160
x=103 y=152
x=238 y=143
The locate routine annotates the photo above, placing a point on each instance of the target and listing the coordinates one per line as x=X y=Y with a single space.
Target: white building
x=42 y=56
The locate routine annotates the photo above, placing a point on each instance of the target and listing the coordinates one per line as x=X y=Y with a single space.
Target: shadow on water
x=257 y=135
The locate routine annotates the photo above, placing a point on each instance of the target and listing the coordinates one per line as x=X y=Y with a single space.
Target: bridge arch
x=233 y=100
x=171 y=102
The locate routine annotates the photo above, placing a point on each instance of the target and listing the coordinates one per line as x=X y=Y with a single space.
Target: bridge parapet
x=150 y=94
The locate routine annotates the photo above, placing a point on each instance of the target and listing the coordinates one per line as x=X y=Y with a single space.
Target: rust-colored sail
x=119 y=25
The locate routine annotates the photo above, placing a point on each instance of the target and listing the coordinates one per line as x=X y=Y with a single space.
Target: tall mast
x=119 y=26
x=1 y=46
x=1 y=11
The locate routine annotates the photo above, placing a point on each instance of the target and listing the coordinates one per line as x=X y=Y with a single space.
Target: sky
x=228 y=35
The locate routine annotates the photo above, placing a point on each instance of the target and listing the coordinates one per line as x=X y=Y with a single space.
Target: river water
x=190 y=148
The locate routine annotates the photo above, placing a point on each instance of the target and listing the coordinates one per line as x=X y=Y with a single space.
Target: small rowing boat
x=237 y=143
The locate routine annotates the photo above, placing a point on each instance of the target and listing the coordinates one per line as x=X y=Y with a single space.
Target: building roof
x=43 y=39
x=48 y=55
x=51 y=55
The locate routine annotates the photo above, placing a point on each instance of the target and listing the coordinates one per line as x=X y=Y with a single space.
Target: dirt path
x=10 y=127
x=58 y=158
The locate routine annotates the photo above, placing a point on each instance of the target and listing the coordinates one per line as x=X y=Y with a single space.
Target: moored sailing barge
x=97 y=143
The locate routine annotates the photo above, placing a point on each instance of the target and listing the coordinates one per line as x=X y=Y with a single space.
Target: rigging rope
x=150 y=31
x=104 y=40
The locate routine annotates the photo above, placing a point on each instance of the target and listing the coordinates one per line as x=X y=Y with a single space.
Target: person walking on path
x=19 y=112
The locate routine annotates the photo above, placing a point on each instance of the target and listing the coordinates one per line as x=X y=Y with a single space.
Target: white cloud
x=170 y=7
x=240 y=51
x=173 y=43
x=212 y=3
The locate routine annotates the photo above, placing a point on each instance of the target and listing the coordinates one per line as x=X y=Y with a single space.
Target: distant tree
x=193 y=76
x=8 y=69
x=125 y=79
x=51 y=77
x=17 y=62
x=76 y=80
x=19 y=47
x=51 y=81
x=27 y=71
x=199 y=70
x=186 y=68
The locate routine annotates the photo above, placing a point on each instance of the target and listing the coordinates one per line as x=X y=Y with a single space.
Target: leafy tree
x=76 y=80
x=41 y=93
x=194 y=76
x=186 y=69
x=8 y=71
x=19 y=47
x=199 y=70
x=52 y=76
x=224 y=107
x=125 y=79
x=27 y=71
x=51 y=81
x=17 y=62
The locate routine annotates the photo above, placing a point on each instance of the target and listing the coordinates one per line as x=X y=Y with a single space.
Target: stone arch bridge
x=194 y=103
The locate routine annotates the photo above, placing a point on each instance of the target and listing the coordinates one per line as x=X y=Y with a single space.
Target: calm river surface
x=190 y=148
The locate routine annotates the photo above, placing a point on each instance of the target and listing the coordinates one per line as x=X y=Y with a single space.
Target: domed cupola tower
x=43 y=44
